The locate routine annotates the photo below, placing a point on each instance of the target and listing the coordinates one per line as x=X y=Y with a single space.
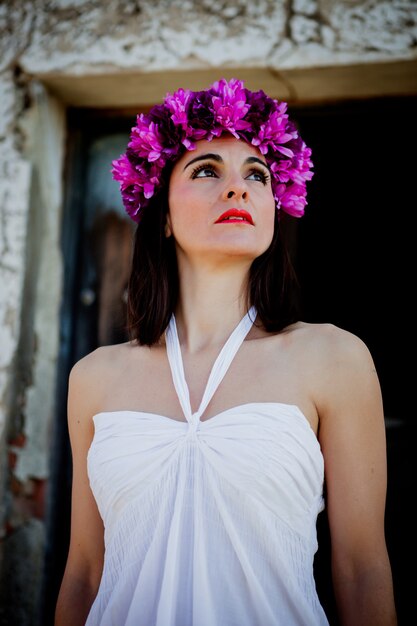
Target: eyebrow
x=211 y=156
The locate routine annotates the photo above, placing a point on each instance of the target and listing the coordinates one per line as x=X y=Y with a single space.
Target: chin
x=244 y=249
x=225 y=247
x=238 y=251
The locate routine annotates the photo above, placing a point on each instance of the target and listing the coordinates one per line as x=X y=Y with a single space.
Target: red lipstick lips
x=235 y=216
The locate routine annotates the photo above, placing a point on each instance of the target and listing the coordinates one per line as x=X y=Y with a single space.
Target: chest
x=261 y=371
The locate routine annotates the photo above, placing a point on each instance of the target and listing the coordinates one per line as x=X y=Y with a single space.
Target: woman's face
x=221 y=202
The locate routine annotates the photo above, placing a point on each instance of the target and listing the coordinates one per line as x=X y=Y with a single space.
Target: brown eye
x=204 y=171
x=258 y=175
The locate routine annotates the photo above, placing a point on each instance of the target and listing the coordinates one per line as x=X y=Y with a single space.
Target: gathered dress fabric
x=207 y=523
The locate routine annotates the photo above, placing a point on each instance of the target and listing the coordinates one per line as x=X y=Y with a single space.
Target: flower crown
x=163 y=135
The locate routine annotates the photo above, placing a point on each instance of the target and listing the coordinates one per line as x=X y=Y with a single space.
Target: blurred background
x=73 y=76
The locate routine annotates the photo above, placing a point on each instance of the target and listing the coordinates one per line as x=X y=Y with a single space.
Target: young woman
x=202 y=446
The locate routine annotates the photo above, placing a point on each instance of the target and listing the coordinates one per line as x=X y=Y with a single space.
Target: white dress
x=207 y=523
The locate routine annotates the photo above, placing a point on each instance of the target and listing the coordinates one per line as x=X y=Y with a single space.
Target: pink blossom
x=230 y=106
x=145 y=140
x=177 y=104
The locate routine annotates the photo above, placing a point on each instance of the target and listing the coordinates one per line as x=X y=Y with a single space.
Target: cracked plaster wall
x=86 y=37
x=30 y=285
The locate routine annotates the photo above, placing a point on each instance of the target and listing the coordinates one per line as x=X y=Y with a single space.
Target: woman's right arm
x=86 y=550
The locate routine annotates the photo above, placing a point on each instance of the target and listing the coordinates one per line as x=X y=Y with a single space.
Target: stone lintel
x=312 y=85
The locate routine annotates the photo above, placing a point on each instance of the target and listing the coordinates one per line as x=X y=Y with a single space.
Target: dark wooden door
x=105 y=244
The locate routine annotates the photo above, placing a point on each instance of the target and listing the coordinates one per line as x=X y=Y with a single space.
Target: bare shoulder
x=341 y=370
x=90 y=369
x=95 y=363
x=94 y=374
x=329 y=345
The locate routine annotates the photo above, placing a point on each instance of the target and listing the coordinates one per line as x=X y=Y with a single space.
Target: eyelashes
x=204 y=167
x=211 y=172
x=263 y=176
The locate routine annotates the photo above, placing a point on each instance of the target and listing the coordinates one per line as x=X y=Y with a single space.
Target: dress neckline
x=217 y=372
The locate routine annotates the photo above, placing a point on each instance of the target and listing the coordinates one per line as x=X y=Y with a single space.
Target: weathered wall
x=30 y=269
x=65 y=38
x=91 y=36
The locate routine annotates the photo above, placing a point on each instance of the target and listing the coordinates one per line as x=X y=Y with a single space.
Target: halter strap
x=218 y=371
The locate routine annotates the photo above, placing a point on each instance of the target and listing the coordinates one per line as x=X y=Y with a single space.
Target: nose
x=232 y=193
x=236 y=189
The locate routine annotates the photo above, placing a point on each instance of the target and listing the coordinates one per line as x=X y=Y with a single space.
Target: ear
x=168 y=229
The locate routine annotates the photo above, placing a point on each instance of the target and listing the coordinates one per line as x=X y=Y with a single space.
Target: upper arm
x=86 y=550
x=352 y=438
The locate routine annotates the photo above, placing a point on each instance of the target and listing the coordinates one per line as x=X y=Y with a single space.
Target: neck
x=212 y=302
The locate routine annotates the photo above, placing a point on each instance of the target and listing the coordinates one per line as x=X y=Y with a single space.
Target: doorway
x=353 y=256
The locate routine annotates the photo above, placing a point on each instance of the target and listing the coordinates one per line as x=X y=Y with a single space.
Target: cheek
x=185 y=210
x=268 y=221
x=268 y=211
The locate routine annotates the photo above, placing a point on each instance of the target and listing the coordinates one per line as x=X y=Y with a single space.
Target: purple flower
x=177 y=105
x=137 y=183
x=292 y=198
x=261 y=107
x=275 y=132
x=171 y=133
x=230 y=107
x=145 y=139
x=201 y=114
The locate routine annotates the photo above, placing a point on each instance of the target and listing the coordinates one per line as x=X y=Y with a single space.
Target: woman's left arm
x=353 y=440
